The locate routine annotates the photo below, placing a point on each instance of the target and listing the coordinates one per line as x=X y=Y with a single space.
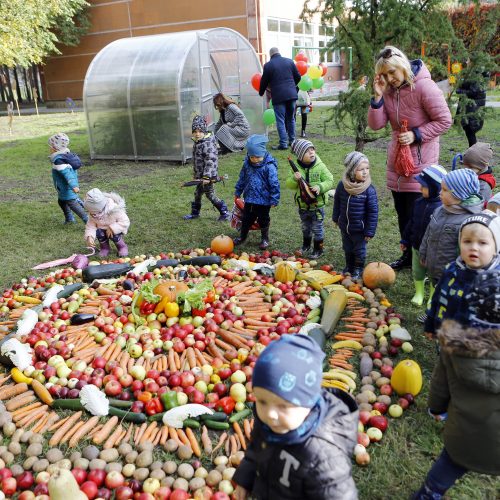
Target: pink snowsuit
x=114 y=218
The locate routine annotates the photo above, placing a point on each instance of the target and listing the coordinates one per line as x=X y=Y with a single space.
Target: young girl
x=108 y=220
x=355 y=211
x=304 y=104
x=206 y=169
x=430 y=186
x=304 y=436
x=259 y=184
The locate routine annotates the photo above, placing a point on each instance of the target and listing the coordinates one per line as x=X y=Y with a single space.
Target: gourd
x=378 y=275
x=407 y=377
x=284 y=272
x=222 y=245
x=333 y=307
x=62 y=485
x=170 y=289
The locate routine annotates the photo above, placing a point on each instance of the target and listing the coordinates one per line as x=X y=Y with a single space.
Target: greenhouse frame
x=141 y=93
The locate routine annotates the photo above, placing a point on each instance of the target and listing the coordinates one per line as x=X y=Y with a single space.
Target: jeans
x=403 y=203
x=354 y=245
x=312 y=223
x=76 y=206
x=285 y=121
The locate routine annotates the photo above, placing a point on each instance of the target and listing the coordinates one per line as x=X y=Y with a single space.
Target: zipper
x=347 y=214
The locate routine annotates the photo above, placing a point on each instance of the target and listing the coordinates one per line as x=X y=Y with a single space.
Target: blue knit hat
x=462 y=183
x=291 y=368
x=431 y=178
x=256 y=145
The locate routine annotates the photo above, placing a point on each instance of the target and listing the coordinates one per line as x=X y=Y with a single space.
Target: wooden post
x=10 y=115
x=35 y=96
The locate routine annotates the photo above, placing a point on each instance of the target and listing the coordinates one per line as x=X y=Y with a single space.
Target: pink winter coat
x=428 y=117
x=114 y=218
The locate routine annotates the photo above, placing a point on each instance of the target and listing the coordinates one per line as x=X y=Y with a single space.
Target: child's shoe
x=70 y=221
x=224 y=212
x=306 y=246
x=195 y=211
x=317 y=250
x=122 y=247
x=104 y=248
x=264 y=232
x=238 y=241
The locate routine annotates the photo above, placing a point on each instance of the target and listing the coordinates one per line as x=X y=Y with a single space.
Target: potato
x=97 y=463
x=367 y=387
x=75 y=456
x=168 y=481
x=362 y=397
x=5 y=418
x=109 y=455
x=369 y=349
x=382 y=381
x=28 y=463
x=377 y=363
x=365 y=407
x=128 y=470
x=2 y=449
x=171 y=445
x=141 y=474
x=236 y=458
x=375 y=375
x=144 y=459
x=14 y=447
x=114 y=466
x=181 y=484
x=228 y=473
x=7 y=457
x=9 y=429
x=65 y=463
x=221 y=460
x=384 y=399
x=124 y=448
x=54 y=455
x=130 y=457
x=184 y=452
x=146 y=446
x=170 y=467
x=156 y=465
x=40 y=465
x=81 y=463
x=201 y=472
x=16 y=469
x=196 y=483
x=17 y=435
x=25 y=437
x=157 y=474
x=214 y=478
x=90 y=452
x=387 y=361
x=186 y=471
x=36 y=438
x=382 y=350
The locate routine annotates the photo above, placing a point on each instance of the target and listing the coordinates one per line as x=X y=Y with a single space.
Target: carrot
x=171 y=361
x=21 y=420
x=222 y=439
x=234 y=444
x=126 y=439
x=58 y=424
x=40 y=425
x=164 y=435
x=25 y=409
x=117 y=350
x=12 y=390
x=247 y=429
x=177 y=361
x=230 y=338
x=54 y=440
x=18 y=401
x=147 y=432
x=191 y=357
x=83 y=431
x=140 y=432
x=105 y=431
x=205 y=440
x=120 y=438
x=72 y=431
x=110 y=442
x=341 y=364
x=95 y=430
x=193 y=442
x=183 y=437
x=239 y=433
x=346 y=337
x=173 y=434
x=227 y=447
x=32 y=418
x=155 y=436
x=199 y=357
x=256 y=322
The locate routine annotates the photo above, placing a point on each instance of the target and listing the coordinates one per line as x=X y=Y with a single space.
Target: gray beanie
x=351 y=162
x=300 y=146
x=489 y=220
x=95 y=201
x=478 y=156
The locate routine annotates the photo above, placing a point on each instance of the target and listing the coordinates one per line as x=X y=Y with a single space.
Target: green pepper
x=169 y=400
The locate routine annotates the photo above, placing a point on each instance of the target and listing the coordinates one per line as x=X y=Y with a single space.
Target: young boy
x=260 y=186
x=315 y=172
x=478 y=158
x=206 y=169
x=304 y=436
x=64 y=174
x=355 y=211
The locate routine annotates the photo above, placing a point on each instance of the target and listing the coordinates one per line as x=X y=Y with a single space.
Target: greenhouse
x=141 y=93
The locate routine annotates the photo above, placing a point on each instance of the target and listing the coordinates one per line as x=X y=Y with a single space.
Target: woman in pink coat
x=404 y=90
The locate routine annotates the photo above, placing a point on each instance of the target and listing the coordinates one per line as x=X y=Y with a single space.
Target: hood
x=68 y=157
x=204 y=138
x=474 y=353
x=116 y=202
x=419 y=69
x=267 y=159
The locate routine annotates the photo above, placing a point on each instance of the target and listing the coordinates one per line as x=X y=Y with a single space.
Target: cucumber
x=103 y=271
x=157 y=417
x=218 y=416
x=240 y=415
x=192 y=423
x=80 y=319
x=128 y=416
x=68 y=404
x=219 y=426
x=119 y=403
x=69 y=290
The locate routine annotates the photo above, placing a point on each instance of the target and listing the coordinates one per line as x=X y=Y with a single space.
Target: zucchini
x=104 y=271
x=333 y=307
x=156 y=417
x=204 y=260
x=120 y=403
x=218 y=426
x=240 y=415
x=192 y=423
x=69 y=290
x=164 y=263
x=128 y=416
x=80 y=319
x=68 y=404
x=218 y=416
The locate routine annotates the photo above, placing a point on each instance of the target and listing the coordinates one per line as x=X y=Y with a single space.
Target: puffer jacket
x=487 y=183
x=428 y=117
x=414 y=231
x=282 y=76
x=114 y=218
x=205 y=158
x=316 y=175
x=64 y=167
x=356 y=214
x=439 y=245
x=466 y=384
x=319 y=468
x=259 y=183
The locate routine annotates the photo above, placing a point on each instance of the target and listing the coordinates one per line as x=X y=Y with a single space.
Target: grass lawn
x=32 y=231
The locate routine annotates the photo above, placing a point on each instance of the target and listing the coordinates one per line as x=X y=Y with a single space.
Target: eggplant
x=128 y=285
x=69 y=290
x=203 y=260
x=104 y=271
x=80 y=319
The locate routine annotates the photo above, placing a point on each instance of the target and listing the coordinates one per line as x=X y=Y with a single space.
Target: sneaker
x=70 y=221
x=238 y=241
x=316 y=254
x=422 y=318
x=224 y=217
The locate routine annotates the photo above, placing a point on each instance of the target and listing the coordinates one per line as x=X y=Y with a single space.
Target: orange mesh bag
x=404 y=160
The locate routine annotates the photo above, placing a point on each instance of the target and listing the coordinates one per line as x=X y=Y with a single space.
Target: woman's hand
x=240 y=493
x=406 y=138
x=379 y=86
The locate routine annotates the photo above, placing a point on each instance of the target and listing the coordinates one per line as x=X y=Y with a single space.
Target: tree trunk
x=360 y=144
x=36 y=81
x=10 y=94
x=18 y=87
x=27 y=84
x=2 y=90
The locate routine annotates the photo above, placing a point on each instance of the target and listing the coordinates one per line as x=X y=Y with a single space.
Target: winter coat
x=356 y=214
x=428 y=117
x=487 y=183
x=259 y=183
x=114 y=218
x=205 y=158
x=316 y=175
x=440 y=242
x=282 y=76
x=64 y=175
x=475 y=93
x=319 y=468
x=233 y=128
x=466 y=384
x=414 y=231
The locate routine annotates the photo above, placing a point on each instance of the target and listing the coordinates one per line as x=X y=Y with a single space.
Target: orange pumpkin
x=222 y=245
x=170 y=289
x=378 y=275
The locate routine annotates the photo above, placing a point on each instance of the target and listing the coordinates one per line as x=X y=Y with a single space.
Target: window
x=309 y=29
x=298 y=28
x=285 y=26
x=272 y=25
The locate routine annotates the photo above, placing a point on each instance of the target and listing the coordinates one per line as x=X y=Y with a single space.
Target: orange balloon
x=324 y=68
x=302 y=67
x=256 y=81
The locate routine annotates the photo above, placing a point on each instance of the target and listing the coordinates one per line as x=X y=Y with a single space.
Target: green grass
x=31 y=231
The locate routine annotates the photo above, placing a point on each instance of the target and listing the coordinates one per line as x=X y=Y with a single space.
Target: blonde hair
x=391 y=57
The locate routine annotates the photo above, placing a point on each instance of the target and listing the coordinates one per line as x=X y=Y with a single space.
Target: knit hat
x=199 y=123
x=351 y=162
x=462 y=183
x=256 y=145
x=59 y=141
x=488 y=219
x=291 y=368
x=95 y=201
x=300 y=146
x=431 y=178
x=478 y=157
x=495 y=199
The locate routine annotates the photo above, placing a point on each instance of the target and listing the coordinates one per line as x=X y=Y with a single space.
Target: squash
x=284 y=272
x=62 y=485
x=378 y=275
x=170 y=289
x=222 y=245
x=333 y=307
x=407 y=377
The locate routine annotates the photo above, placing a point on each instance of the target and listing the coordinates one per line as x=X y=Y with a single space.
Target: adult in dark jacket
x=282 y=76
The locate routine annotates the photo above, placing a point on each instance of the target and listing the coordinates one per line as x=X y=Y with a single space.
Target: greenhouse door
x=206 y=105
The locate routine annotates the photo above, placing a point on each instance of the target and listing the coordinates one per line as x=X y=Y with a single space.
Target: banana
x=354 y=295
x=349 y=373
x=19 y=377
x=349 y=344
x=340 y=376
x=336 y=384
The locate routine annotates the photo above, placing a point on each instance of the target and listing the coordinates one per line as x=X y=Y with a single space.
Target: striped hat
x=462 y=183
x=351 y=162
x=431 y=178
x=300 y=146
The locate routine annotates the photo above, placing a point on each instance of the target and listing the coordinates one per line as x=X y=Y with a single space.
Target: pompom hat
x=351 y=162
x=462 y=183
x=199 y=123
x=300 y=146
x=59 y=141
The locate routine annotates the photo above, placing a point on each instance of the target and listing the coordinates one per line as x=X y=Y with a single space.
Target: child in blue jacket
x=260 y=187
x=64 y=174
x=355 y=211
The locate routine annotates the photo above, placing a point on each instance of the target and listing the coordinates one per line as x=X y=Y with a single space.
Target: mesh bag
x=237 y=215
x=404 y=160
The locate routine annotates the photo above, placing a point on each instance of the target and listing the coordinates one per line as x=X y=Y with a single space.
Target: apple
x=150 y=485
x=97 y=476
x=26 y=495
x=126 y=380
x=359 y=448
x=89 y=488
x=5 y=473
x=25 y=480
x=162 y=493
x=364 y=416
x=104 y=493
x=113 y=388
x=363 y=439
x=378 y=421
x=409 y=397
x=380 y=407
x=386 y=389
x=403 y=403
x=179 y=494
x=187 y=379
x=114 y=479
x=407 y=347
x=135 y=351
x=363 y=459
x=374 y=434
x=41 y=490
x=124 y=493
x=395 y=411
x=80 y=475
x=42 y=477
x=138 y=372
x=9 y=486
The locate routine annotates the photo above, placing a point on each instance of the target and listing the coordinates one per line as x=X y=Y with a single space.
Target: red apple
x=364 y=416
x=403 y=403
x=114 y=479
x=179 y=494
x=162 y=493
x=386 y=371
x=41 y=489
x=97 y=476
x=80 y=475
x=378 y=421
x=363 y=439
x=5 y=473
x=26 y=495
x=124 y=493
x=381 y=407
x=376 y=355
x=187 y=379
x=112 y=388
x=386 y=389
x=89 y=488
x=104 y=493
x=25 y=480
x=409 y=397
x=9 y=486
x=126 y=380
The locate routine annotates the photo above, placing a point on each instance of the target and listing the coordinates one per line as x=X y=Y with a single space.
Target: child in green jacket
x=315 y=172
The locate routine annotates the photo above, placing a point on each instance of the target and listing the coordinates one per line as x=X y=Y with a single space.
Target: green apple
x=148 y=354
x=135 y=350
x=201 y=386
x=394 y=326
x=182 y=398
x=238 y=392
x=197 y=321
x=238 y=376
x=143 y=330
x=379 y=332
x=167 y=345
x=40 y=377
x=207 y=369
x=172 y=321
x=129 y=328
x=158 y=343
x=121 y=341
x=395 y=411
x=62 y=381
x=99 y=336
x=185 y=320
x=63 y=370
x=394 y=321
x=138 y=372
x=53 y=380
x=407 y=347
x=237 y=311
x=162 y=317
x=80 y=365
x=239 y=406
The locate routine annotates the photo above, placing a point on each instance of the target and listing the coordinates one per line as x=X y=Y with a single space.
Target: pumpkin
x=378 y=275
x=222 y=245
x=284 y=272
x=170 y=289
x=407 y=377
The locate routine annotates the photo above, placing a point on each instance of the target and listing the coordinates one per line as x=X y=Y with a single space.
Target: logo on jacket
x=287 y=382
x=290 y=461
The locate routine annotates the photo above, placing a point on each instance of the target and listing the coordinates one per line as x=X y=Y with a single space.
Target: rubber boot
x=418 y=298
x=223 y=211
x=425 y=493
x=317 y=249
x=306 y=246
x=403 y=261
x=264 y=234
x=349 y=263
x=104 y=248
x=357 y=272
x=195 y=211
x=431 y=293
x=241 y=238
x=122 y=247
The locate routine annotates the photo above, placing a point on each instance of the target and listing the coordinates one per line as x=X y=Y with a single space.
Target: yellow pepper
x=19 y=377
x=172 y=310
x=160 y=307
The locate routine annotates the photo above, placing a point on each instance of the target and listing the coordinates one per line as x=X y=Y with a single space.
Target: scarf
x=355 y=188
x=302 y=433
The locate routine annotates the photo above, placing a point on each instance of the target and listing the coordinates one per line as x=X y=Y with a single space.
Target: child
x=478 y=158
x=355 y=211
x=205 y=168
x=260 y=186
x=494 y=204
x=303 y=439
x=430 y=186
x=64 y=167
x=108 y=220
x=304 y=104
x=315 y=172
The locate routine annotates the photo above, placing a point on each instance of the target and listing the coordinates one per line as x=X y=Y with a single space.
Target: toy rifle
x=307 y=195
x=197 y=182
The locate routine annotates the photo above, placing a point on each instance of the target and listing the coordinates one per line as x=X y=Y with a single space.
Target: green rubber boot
x=418 y=298
x=431 y=293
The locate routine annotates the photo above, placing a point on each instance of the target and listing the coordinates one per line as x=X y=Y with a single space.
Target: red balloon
x=324 y=68
x=256 y=81
x=301 y=57
x=302 y=67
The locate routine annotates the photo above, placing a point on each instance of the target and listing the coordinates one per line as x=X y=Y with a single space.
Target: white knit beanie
x=95 y=201
x=59 y=141
x=351 y=162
